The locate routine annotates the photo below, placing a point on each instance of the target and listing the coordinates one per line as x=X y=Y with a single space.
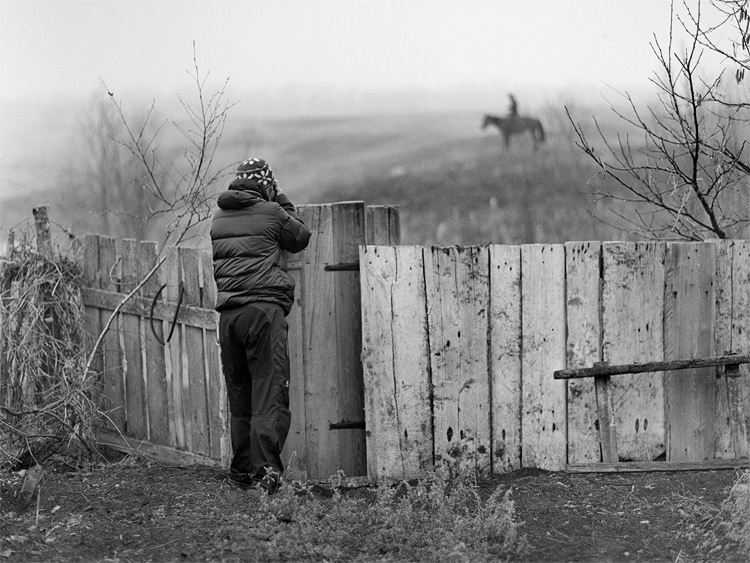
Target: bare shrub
x=735 y=514
x=681 y=167
x=46 y=405
x=178 y=191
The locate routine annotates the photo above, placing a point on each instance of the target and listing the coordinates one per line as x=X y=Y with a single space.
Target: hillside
x=454 y=183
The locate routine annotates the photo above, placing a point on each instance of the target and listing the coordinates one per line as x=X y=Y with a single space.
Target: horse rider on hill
x=512 y=106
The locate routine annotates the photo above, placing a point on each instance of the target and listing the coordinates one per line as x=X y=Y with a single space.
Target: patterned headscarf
x=257 y=171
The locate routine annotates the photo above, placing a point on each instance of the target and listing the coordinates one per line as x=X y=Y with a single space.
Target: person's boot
x=271 y=481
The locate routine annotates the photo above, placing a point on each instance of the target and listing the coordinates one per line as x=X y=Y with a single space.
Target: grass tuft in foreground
x=724 y=532
x=734 y=517
x=438 y=518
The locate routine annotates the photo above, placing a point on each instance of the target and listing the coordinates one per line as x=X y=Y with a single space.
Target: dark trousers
x=255 y=360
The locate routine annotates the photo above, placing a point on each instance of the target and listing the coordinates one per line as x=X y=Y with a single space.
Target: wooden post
x=348 y=223
x=43 y=240
x=722 y=288
x=382 y=225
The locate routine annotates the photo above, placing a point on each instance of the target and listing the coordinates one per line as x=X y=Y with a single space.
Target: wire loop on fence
x=174 y=319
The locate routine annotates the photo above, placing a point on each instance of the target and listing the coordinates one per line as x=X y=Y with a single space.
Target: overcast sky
x=292 y=58
x=66 y=47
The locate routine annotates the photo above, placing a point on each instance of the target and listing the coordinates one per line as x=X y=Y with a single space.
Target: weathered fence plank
x=91 y=272
x=632 y=310
x=723 y=444
x=156 y=382
x=321 y=393
x=505 y=356
x=294 y=454
x=136 y=412
x=196 y=359
x=445 y=355
x=738 y=388
x=348 y=222
x=583 y=302
x=114 y=386
x=689 y=312
x=218 y=408
x=173 y=356
x=378 y=268
x=411 y=361
x=383 y=225
x=395 y=359
x=474 y=401
x=543 y=423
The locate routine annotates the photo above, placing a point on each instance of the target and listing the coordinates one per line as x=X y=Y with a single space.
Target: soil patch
x=148 y=512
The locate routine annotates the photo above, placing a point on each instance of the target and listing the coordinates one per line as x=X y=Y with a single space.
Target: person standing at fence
x=255 y=223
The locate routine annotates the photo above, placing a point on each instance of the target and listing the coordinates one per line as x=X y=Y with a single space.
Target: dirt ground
x=147 y=512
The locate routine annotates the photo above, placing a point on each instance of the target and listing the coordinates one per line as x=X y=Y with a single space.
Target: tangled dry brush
x=46 y=405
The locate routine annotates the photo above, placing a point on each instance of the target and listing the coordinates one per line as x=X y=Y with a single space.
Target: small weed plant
x=722 y=533
x=438 y=518
x=735 y=514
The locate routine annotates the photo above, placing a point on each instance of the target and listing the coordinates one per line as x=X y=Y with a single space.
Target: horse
x=516 y=125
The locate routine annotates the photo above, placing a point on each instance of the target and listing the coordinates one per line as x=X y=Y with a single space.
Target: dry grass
x=721 y=533
x=46 y=403
x=136 y=511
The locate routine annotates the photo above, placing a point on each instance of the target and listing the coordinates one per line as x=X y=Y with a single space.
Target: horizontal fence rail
x=731 y=363
x=460 y=347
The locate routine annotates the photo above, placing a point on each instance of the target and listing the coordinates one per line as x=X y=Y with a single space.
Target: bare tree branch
x=688 y=178
x=181 y=190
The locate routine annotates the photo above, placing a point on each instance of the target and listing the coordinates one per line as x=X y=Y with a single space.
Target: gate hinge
x=342 y=266
x=346 y=424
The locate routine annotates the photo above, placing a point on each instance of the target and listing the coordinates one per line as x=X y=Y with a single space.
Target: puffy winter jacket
x=248 y=236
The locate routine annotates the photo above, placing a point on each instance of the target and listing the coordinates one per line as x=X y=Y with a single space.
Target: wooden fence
x=404 y=355
x=169 y=400
x=460 y=345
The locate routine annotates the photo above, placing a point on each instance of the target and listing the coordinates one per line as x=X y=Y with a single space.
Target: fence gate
x=169 y=400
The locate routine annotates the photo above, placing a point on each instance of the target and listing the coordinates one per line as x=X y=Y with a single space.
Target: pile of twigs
x=46 y=402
